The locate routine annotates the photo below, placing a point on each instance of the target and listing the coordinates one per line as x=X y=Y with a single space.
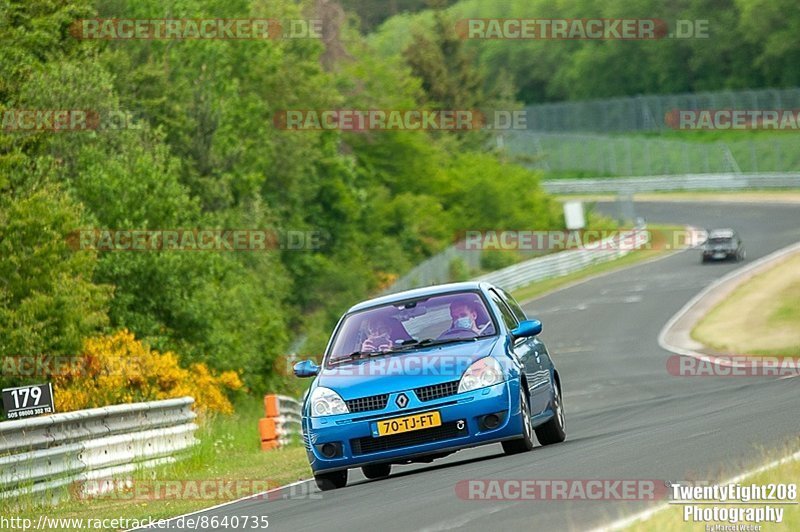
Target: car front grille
x=437 y=391
x=446 y=431
x=365 y=404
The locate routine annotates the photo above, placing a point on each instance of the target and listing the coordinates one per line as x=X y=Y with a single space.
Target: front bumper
x=462 y=426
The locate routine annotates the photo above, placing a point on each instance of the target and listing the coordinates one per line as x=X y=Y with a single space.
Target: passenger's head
x=378 y=326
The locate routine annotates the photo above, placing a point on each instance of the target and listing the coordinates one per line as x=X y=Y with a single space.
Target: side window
x=513 y=305
x=508 y=317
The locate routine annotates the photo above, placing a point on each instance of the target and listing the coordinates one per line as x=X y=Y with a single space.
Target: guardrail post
x=267 y=426
x=281 y=422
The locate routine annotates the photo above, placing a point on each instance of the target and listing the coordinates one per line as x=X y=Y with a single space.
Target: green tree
x=48 y=302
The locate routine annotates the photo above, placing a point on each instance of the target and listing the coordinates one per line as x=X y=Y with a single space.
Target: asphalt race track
x=627 y=418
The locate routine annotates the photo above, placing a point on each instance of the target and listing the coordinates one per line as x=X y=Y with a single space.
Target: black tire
x=376 y=471
x=524 y=444
x=331 y=481
x=554 y=431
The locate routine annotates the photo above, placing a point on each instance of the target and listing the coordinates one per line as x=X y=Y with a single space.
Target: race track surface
x=627 y=418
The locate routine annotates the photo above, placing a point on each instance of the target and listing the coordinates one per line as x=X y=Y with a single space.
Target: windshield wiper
x=427 y=342
x=357 y=355
x=406 y=345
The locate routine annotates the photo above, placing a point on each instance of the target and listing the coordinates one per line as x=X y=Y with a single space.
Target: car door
x=527 y=351
x=541 y=382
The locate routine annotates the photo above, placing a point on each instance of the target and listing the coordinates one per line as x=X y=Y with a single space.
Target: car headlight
x=482 y=373
x=326 y=402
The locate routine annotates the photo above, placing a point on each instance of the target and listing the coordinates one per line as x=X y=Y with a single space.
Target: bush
x=117 y=368
x=492 y=260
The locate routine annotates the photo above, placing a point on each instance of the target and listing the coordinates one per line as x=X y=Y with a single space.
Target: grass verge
x=661 y=245
x=768 y=303
x=227 y=464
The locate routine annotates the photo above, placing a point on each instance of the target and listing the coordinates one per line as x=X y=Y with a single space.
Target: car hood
x=402 y=371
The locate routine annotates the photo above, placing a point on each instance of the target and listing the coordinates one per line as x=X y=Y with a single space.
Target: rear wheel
x=377 y=471
x=331 y=481
x=554 y=430
x=525 y=443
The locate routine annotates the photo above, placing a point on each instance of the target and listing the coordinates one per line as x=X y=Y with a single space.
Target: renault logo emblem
x=401 y=400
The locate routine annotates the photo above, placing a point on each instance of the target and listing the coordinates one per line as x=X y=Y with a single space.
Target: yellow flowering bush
x=118 y=368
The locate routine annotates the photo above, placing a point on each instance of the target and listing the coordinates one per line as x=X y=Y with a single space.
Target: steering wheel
x=456 y=331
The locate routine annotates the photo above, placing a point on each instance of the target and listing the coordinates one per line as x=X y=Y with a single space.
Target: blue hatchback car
x=415 y=376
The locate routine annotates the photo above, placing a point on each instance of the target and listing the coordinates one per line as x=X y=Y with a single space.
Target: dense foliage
x=204 y=153
x=750 y=44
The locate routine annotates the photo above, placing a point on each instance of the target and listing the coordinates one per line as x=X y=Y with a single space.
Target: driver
x=464 y=317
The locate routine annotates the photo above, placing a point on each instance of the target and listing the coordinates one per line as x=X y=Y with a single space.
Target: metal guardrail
x=566 y=262
x=668 y=183
x=436 y=269
x=39 y=455
x=289 y=420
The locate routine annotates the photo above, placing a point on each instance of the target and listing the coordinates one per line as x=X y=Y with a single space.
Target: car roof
x=721 y=233
x=421 y=292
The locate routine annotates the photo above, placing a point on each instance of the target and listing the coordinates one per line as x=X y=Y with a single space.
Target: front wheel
x=525 y=443
x=554 y=430
x=331 y=481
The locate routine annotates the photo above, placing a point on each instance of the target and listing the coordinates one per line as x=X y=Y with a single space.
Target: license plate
x=396 y=425
x=719 y=255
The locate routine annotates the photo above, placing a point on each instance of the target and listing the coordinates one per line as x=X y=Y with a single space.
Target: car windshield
x=720 y=240
x=405 y=325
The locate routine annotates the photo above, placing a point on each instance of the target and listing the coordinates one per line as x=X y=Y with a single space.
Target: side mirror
x=527 y=328
x=306 y=368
